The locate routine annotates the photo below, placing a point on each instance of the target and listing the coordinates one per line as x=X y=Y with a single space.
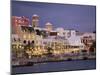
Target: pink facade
x=16 y=21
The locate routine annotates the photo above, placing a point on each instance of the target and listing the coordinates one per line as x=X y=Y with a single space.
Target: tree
x=93 y=47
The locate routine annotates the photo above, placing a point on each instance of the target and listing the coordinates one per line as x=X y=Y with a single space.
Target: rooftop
x=48 y=23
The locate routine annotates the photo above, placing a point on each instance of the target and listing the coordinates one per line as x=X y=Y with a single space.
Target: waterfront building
x=40 y=41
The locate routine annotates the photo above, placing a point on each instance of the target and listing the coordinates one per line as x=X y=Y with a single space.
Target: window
x=24 y=41
x=29 y=36
x=19 y=39
x=84 y=50
x=32 y=41
x=28 y=42
x=14 y=39
x=33 y=36
x=24 y=36
x=64 y=33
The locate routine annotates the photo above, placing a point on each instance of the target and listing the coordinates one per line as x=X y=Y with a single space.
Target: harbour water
x=56 y=66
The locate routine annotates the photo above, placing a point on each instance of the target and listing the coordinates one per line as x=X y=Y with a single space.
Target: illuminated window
x=33 y=36
x=29 y=36
x=24 y=36
x=14 y=46
x=16 y=20
x=17 y=46
x=24 y=30
x=20 y=46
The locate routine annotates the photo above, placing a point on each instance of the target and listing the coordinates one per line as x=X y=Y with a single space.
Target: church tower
x=35 y=20
x=49 y=26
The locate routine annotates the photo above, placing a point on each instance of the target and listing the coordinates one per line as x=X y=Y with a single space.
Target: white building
x=60 y=31
x=93 y=35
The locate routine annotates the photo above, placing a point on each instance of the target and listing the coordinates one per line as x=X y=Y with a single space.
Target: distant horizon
x=68 y=16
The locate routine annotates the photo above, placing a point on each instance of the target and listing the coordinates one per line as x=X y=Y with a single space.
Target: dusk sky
x=79 y=17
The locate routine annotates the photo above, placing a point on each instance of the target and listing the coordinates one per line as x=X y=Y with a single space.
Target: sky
x=79 y=17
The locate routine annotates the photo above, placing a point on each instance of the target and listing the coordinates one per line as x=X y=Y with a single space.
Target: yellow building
x=49 y=26
x=35 y=20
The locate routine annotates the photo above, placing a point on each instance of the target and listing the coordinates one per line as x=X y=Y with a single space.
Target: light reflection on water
x=57 y=66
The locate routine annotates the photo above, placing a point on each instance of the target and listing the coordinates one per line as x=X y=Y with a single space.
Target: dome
x=48 y=23
x=35 y=15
